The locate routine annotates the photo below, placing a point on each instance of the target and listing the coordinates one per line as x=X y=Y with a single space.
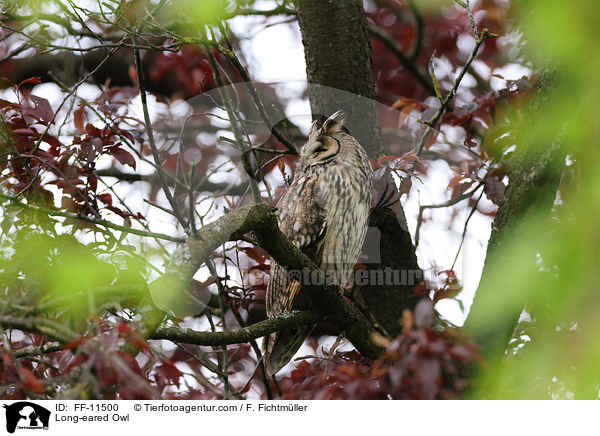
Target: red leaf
x=105 y=198
x=463 y=353
x=123 y=156
x=42 y=110
x=8 y=361
x=407 y=102
x=123 y=327
x=428 y=378
x=459 y=185
x=93 y=182
x=169 y=373
x=92 y=130
x=254 y=254
x=54 y=143
x=431 y=139
x=386 y=158
x=130 y=361
x=379 y=173
x=106 y=373
x=404 y=113
x=6 y=103
x=494 y=189
x=29 y=132
x=230 y=203
x=79 y=359
x=67 y=203
x=281 y=167
x=405 y=185
x=35 y=80
x=123 y=214
x=78 y=118
x=419 y=289
x=75 y=343
x=445 y=293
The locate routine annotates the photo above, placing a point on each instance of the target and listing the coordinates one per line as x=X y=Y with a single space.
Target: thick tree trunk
x=338 y=57
x=529 y=195
x=340 y=76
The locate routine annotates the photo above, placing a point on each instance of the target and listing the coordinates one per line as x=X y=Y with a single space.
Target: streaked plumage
x=325 y=213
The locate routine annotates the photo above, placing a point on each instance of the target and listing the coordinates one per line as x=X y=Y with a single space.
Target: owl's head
x=323 y=143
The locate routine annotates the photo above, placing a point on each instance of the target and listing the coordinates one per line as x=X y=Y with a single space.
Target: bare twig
x=441 y=205
x=464 y=233
x=199 y=356
x=224 y=361
x=201 y=184
x=279 y=10
x=227 y=101
x=479 y=39
x=281 y=137
x=152 y=142
x=259 y=358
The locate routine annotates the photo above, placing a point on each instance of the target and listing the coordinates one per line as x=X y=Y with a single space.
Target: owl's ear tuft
x=334 y=123
x=314 y=127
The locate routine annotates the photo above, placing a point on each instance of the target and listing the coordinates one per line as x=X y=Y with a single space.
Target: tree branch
x=152 y=143
x=206 y=185
x=485 y=34
x=227 y=98
x=50 y=347
x=237 y=336
x=99 y=222
x=281 y=137
x=172 y=333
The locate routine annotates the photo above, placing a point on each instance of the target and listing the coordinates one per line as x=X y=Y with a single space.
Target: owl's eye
x=320 y=149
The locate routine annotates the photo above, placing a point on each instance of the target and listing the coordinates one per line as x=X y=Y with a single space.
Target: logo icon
x=26 y=415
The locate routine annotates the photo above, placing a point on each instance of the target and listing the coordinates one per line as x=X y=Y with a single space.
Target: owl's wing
x=302 y=220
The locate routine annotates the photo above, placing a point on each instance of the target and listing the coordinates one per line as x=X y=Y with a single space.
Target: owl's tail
x=280 y=347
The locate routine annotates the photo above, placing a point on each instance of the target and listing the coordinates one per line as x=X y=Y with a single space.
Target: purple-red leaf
x=105 y=198
x=42 y=110
x=34 y=80
x=78 y=118
x=123 y=156
x=494 y=189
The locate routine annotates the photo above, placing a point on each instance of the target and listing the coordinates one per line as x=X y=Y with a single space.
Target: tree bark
x=338 y=57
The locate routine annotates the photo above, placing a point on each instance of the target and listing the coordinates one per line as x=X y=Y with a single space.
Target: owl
x=325 y=213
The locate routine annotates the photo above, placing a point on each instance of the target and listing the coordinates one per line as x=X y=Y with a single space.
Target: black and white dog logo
x=26 y=415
